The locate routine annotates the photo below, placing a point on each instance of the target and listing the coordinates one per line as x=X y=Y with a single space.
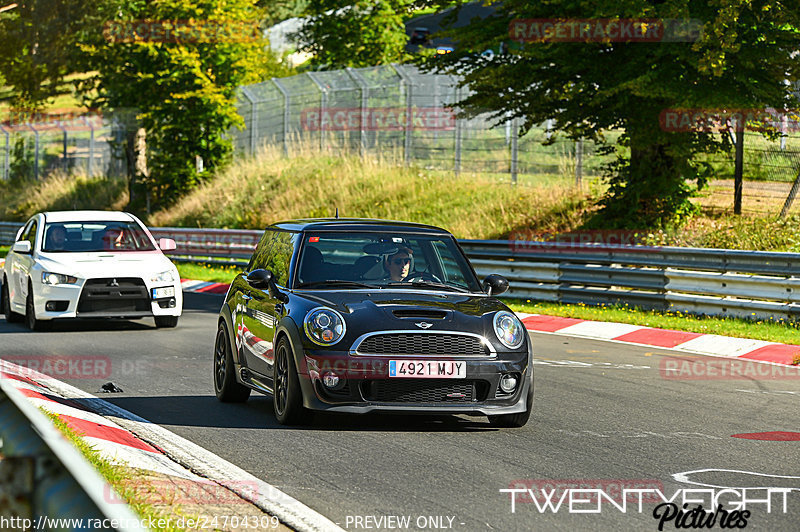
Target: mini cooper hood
x=408 y=304
x=106 y=264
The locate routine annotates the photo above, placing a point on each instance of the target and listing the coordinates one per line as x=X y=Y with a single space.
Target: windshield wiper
x=431 y=284
x=336 y=282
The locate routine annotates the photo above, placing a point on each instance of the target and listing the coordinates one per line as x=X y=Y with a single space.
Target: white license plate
x=428 y=369
x=159 y=293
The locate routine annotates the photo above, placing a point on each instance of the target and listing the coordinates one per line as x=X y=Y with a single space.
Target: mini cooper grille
x=424 y=391
x=423 y=344
x=121 y=294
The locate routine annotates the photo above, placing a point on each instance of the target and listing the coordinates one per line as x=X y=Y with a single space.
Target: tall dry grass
x=312 y=183
x=19 y=201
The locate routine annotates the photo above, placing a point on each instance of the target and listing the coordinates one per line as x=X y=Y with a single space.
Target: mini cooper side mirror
x=495 y=284
x=265 y=280
x=259 y=278
x=22 y=246
x=167 y=244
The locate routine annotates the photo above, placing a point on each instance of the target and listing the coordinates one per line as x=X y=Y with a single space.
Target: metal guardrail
x=745 y=284
x=45 y=482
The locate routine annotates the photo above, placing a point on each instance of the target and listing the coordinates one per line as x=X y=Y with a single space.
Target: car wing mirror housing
x=22 y=246
x=495 y=284
x=265 y=280
x=167 y=244
x=260 y=278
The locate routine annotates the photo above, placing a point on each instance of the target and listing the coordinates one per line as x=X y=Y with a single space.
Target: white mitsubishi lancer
x=89 y=264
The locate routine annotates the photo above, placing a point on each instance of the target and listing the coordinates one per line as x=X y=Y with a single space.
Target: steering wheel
x=422 y=276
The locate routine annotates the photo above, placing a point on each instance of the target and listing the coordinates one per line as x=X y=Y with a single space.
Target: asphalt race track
x=606 y=416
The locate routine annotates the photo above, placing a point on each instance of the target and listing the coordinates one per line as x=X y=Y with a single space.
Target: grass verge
x=201 y=272
x=124 y=480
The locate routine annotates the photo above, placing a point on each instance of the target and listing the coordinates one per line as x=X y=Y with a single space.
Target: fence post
x=738 y=166
x=253 y=121
x=356 y=77
x=409 y=85
x=514 y=150
x=323 y=106
x=65 y=147
x=578 y=162
x=792 y=195
x=457 y=162
x=35 y=151
x=7 y=160
x=285 y=114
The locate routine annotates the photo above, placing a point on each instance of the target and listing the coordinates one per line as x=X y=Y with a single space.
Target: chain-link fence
x=771 y=176
x=397 y=111
x=87 y=144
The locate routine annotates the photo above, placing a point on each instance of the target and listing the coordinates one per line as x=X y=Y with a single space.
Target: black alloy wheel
x=287 y=396
x=226 y=387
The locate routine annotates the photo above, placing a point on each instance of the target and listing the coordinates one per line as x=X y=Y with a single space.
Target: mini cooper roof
x=357 y=225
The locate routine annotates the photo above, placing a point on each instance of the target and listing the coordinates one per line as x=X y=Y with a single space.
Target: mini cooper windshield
x=369 y=260
x=83 y=237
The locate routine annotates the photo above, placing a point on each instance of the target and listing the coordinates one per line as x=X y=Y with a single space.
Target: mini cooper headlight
x=509 y=329
x=57 y=278
x=324 y=326
x=163 y=277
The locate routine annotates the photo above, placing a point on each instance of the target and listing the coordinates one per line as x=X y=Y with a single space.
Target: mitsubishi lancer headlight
x=54 y=279
x=324 y=326
x=509 y=329
x=163 y=277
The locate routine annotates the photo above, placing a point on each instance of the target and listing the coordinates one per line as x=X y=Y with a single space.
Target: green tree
x=742 y=60
x=38 y=40
x=361 y=33
x=176 y=78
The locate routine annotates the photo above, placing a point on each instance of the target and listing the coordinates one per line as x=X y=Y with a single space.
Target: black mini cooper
x=350 y=315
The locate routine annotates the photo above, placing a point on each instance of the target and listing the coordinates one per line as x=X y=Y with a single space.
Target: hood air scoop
x=419 y=313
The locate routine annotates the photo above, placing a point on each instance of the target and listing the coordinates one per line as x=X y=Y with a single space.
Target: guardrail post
x=286 y=100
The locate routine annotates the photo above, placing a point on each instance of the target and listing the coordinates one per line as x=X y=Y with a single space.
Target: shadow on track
x=257 y=413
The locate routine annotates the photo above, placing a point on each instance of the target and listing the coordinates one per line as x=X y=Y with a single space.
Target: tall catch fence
x=70 y=143
x=400 y=113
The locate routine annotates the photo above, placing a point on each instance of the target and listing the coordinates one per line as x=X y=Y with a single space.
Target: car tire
x=11 y=316
x=166 y=322
x=287 y=398
x=30 y=313
x=227 y=388
x=514 y=420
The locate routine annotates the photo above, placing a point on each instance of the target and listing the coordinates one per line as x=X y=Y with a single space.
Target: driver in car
x=398 y=265
x=56 y=238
